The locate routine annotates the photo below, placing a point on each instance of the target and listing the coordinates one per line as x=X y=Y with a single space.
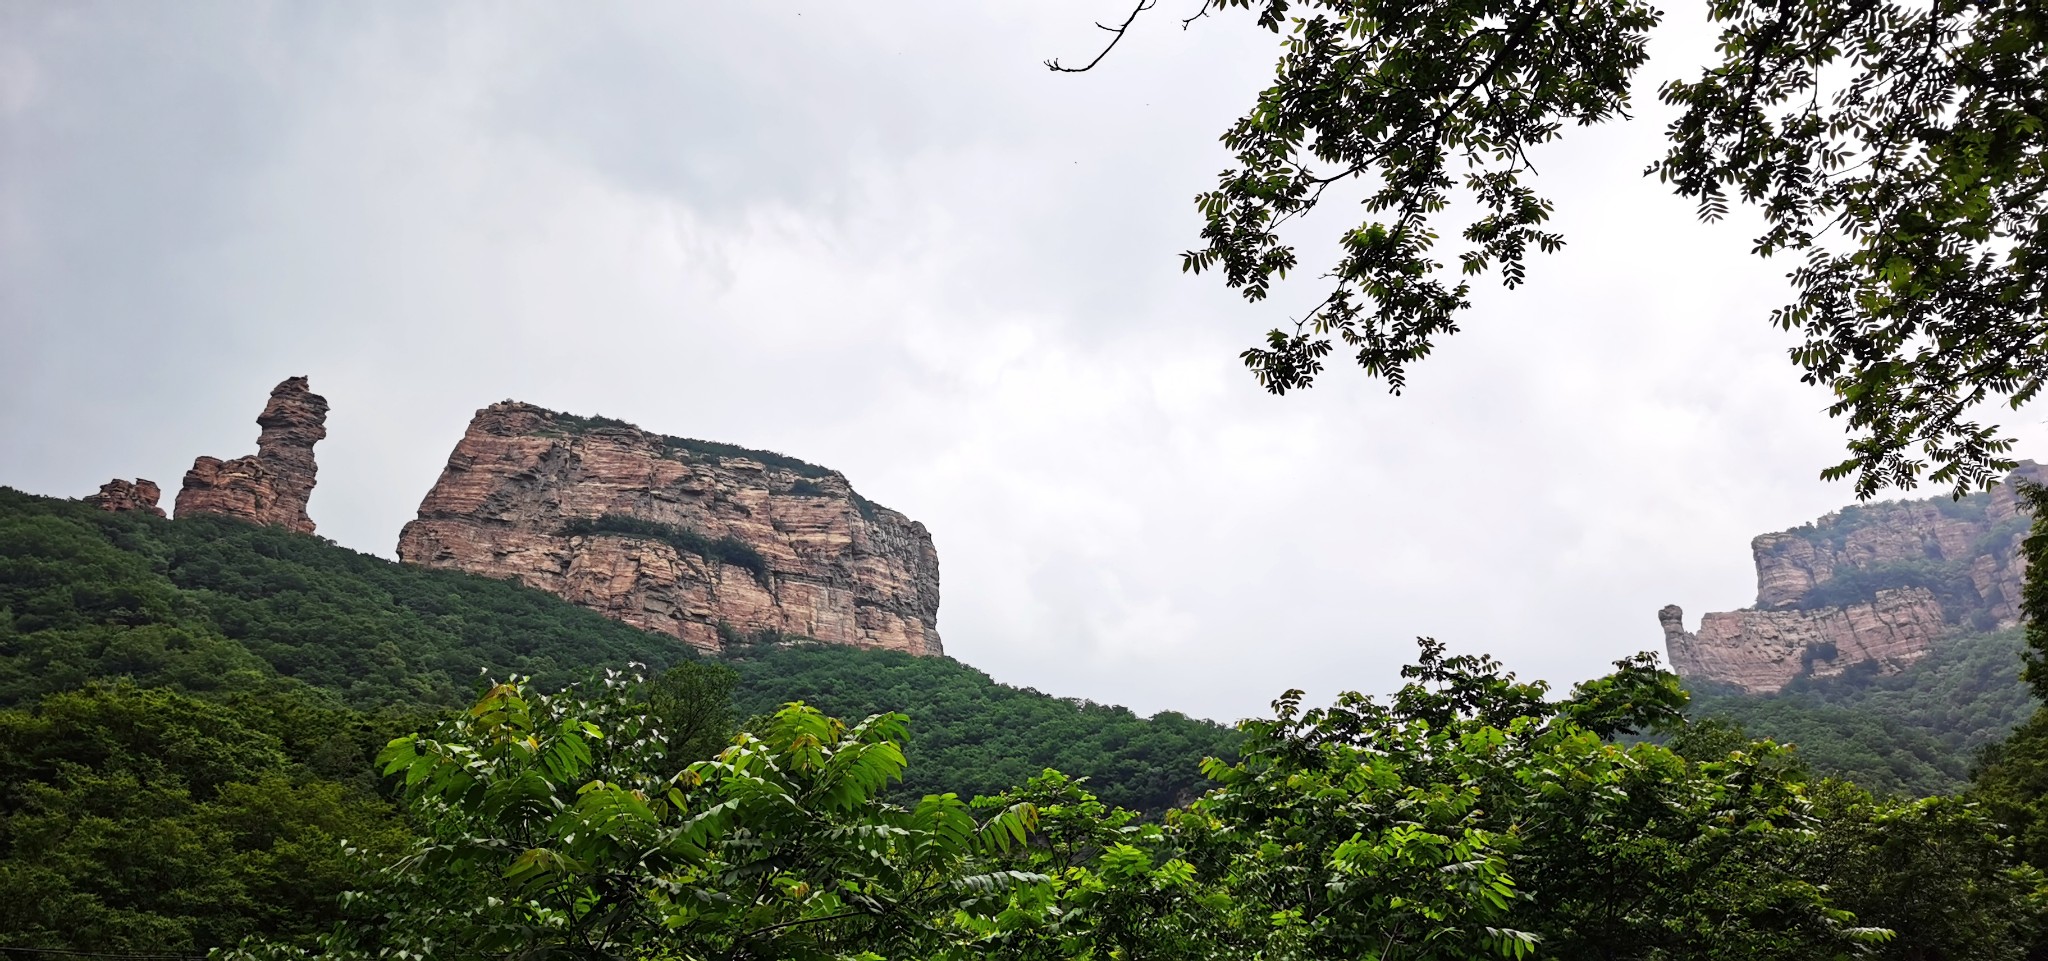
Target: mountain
x=1884 y=643
x=677 y=536
x=1869 y=587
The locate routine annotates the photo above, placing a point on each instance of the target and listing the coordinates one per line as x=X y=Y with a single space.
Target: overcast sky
x=882 y=237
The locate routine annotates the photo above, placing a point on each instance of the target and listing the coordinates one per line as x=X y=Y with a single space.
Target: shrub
x=726 y=550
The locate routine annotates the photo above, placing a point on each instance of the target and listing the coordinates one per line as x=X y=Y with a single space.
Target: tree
x=561 y=825
x=1471 y=817
x=1897 y=149
x=692 y=706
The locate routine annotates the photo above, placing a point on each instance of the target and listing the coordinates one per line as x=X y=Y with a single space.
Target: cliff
x=1876 y=583
x=273 y=485
x=677 y=536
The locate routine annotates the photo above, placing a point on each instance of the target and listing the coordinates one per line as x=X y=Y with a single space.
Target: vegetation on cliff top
x=686 y=447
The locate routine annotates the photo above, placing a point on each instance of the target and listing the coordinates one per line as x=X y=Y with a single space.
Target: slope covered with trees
x=188 y=710
x=975 y=736
x=1468 y=817
x=1915 y=732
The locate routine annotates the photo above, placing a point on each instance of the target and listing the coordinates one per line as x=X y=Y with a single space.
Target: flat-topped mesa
x=273 y=485
x=1877 y=583
x=678 y=536
x=118 y=495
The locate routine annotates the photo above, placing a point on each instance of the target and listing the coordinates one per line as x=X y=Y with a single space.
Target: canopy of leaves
x=976 y=736
x=145 y=820
x=1470 y=817
x=1895 y=148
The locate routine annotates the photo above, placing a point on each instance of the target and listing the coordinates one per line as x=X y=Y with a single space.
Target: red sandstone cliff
x=272 y=485
x=1877 y=582
x=664 y=533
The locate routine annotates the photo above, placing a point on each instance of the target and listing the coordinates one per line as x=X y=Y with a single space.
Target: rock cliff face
x=675 y=535
x=119 y=495
x=1879 y=583
x=1762 y=651
x=273 y=485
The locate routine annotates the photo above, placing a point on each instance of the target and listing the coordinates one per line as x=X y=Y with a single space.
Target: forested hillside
x=192 y=707
x=1915 y=732
x=974 y=736
x=135 y=652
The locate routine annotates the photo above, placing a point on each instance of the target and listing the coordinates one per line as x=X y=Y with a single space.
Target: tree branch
x=1143 y=5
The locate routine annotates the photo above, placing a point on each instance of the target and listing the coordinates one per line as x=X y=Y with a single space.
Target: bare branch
x=1199 y=14
x=1143 y=5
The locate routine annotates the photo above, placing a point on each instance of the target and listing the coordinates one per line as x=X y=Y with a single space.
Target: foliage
x=560 y=823
x=686 y=447
x=2034 y=597
x=726 y=549
x=1471 y=817
x=208 y=603
x=1909 y=733
x=137 y=819
x=1895 y=148
x=1433 y=104
x=1925 y=159
x=976 y=736
x=1948 y=581
x=691 y=705
x=1606 y=850
x=1938 y=871
x=579 y=423
x=2011 y=778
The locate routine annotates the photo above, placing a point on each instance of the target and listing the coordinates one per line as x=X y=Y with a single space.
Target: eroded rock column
x=273 y=485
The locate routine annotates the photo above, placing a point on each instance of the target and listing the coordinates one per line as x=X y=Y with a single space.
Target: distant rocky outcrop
x=272 y=485
x=1875 y=584
x=688 y=538
x=119 y=495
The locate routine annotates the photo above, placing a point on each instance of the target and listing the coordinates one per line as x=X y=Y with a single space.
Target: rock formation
x=1878 y=583
x=273 y=485
x=677 y=536
x=1762 y=651
x=119 y=495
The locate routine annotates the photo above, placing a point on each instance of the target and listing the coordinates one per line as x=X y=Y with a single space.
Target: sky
x=884 y=238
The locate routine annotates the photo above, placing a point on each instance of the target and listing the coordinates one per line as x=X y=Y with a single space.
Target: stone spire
x=272 y=486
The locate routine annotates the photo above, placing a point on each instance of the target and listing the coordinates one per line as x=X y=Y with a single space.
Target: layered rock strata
x=273 y=485
x=119 y=495
x=1762 y=651
x=677 y=536
x=1879 y=583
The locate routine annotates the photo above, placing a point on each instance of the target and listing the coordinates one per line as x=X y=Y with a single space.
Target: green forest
x=188 y=711
x=1915 y=732
x=218 y=737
